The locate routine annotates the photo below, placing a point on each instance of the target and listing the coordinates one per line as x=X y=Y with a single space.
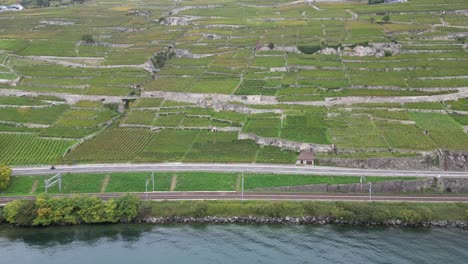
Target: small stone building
x=305 y=158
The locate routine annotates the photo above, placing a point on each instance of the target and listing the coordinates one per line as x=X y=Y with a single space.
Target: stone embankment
x=430 y=161
x=433 y=185
x=305 y=220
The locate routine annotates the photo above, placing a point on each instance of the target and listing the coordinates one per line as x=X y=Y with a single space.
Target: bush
x=311 y=49
x=199 y=208
x=388 y=53
x=161 y=58
x=47 y=211
x=410 y=216
x=20 y=212
x=271 y=45
x=127 y=208
x=386 y=18
x=374 y=2
x=5 y=175
x=144 y=211
x=339 y=213
x=88 y=38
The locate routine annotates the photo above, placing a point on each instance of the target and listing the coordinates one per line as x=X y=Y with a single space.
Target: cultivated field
x=165 y=81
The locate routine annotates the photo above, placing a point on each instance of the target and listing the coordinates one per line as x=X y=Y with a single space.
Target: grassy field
x=173 y=181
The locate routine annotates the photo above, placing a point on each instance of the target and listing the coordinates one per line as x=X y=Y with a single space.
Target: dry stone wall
x=286 y=144
x=438 y=185
x=424 y=162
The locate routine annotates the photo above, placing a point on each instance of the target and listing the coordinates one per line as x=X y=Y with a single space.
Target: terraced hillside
x=233 y=81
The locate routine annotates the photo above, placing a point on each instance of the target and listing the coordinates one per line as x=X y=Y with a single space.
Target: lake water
x=231 y=244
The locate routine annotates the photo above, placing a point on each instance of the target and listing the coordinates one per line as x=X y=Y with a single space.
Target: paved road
x=270 y=196
x=216 y=167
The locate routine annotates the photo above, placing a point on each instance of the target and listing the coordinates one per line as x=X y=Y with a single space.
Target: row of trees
x=46 y=210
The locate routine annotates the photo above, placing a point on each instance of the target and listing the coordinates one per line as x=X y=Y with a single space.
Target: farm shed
x=305 y=158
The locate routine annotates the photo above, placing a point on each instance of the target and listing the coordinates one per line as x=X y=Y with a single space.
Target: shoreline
x=305 y=220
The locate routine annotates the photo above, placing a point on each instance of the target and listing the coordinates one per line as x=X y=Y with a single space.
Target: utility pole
x=146 y=189
x=152 y=178
x=361 y=180
x=242 y=193
x=370 y=191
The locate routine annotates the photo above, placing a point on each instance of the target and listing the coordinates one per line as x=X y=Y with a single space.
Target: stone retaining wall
x=286 y=144
x=425 y=162
x=438 y=185
x=455 y=160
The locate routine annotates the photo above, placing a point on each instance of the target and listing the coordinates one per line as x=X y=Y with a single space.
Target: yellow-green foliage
x=5 y=174
x=47 y=211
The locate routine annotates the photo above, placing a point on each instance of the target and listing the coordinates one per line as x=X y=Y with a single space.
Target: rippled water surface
x=231 y=244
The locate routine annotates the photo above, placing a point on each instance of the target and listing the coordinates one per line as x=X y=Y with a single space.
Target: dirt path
x=34 y=186
x=105 y=182
x=173 y=182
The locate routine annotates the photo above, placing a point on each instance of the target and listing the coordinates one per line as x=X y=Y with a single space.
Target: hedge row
x=45 y=210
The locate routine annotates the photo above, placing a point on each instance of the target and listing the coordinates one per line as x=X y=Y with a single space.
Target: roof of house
x=306 y=155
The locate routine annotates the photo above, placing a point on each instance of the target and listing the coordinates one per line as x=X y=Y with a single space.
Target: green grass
x=185 y=181
x=202 y=181
x=136 y=182
x=253 y=181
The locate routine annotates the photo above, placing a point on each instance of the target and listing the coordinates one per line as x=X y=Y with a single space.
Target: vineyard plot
x=30 y=149
x=111 y=145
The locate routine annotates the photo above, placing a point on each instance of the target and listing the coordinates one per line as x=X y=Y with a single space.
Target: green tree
x=5 y=175
x=386 y=18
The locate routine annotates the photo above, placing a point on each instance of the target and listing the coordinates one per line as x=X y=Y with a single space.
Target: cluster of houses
x=15 y=7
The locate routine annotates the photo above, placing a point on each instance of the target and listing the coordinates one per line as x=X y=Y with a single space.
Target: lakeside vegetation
x=45 y=211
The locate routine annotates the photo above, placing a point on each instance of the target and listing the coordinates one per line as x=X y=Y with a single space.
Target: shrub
x=199 y=208
x=20 y=212
x=5 y=175
x=374 y=2
x=160 y=59
x=71 y=210
x=127 y=208
x=88 y=38
x=410 y=216
x=386 y=18
x=144 y=211
x=271 y=45
x=309 y=49
x=388 y=53
x=339 y=213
